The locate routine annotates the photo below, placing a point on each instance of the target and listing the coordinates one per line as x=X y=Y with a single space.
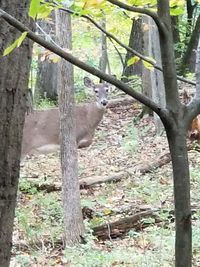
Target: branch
x=75 y=61
x=112 y=37
x=145 y=11
x=118 y=52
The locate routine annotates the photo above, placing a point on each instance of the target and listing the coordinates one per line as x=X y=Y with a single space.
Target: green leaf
x=133 y=60
x=44 y=11
x=14 y=45
x=33 y=10
x=21 y=38
x=176 y=11
x=10 y=48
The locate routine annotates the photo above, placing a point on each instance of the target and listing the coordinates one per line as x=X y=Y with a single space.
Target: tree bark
x=176 y=34
x=180 y=164
x=152 y=81
x=73 y=222
x=14 y=74
x=46 y=83
x=176 y=129
x=189 y=57
x=135 y=42
x=103 y=62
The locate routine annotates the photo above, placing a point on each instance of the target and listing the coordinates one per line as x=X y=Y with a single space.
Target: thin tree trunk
x=189 y=57
x=180 y=164
x=46 y=82
x=176 y=133
x=135 y=42
x=175 y=32
x=190 y=11
x=14 y=74
x=103 y=58
x=73 y=222
x=152 y=81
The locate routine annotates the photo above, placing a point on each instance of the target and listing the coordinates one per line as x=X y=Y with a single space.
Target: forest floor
x=122 y=144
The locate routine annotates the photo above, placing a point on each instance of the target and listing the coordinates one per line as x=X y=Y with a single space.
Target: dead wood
x=95 y=180
x=84 y=182
x=148 y=167
x=91 y=181
x=122 y=101
x=122 y=226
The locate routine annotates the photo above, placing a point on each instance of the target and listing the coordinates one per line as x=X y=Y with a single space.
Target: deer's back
x=42 y=129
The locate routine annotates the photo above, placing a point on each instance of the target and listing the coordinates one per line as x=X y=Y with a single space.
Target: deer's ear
x=88 y=82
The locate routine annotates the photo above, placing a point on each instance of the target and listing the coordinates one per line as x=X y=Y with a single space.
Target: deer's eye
x=96 y=90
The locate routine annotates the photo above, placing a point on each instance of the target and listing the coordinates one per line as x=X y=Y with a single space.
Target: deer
x=41 y=133
x=194 y=128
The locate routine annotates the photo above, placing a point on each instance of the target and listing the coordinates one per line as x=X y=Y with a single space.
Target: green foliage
x=26 y=186
x=34 y=6
x=42 y=217
x=16 y=44
x=130 y=141
x=44 y=103
x=190 y=76
x=90 y=255
x=21 y=261
x=39 y=9
x=81 y=96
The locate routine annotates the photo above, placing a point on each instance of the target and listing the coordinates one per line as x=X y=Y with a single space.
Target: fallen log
x=122 y=226
x=145 y=168
x=84 y=182
x=122 y=101
x=95 y=180
x=91 y=181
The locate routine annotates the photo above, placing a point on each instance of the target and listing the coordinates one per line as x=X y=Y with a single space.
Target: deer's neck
x=95 y=114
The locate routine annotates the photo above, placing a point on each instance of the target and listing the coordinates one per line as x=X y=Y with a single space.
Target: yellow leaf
x=54 y=58
x=21 y=38
x=15 y=44
x=107 y=211
x=133 y=60
x=91 y=3
x=149 y=65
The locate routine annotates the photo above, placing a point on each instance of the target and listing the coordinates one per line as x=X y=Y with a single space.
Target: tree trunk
x=135 y=42
x=103 y=62
x=73 y=222
x=190 y=11
x=176 y=34
x=180 y=164
x=189 y=57
x=176 y=132
x=152 y=81
x=14 y=74
x=46 y=83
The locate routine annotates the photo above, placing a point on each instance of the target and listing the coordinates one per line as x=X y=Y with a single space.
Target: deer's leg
x=84 y=143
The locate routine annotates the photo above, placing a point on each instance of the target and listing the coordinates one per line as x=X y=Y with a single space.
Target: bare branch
x=75 y=61
x=134 y=52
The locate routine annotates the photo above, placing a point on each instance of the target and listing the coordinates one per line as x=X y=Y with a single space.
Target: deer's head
x=100 y=90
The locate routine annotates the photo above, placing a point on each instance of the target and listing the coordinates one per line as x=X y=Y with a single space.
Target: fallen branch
x=122 y=226
x=84 y=182
x=122 y=101
x=142 y=168
x=92 y=181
